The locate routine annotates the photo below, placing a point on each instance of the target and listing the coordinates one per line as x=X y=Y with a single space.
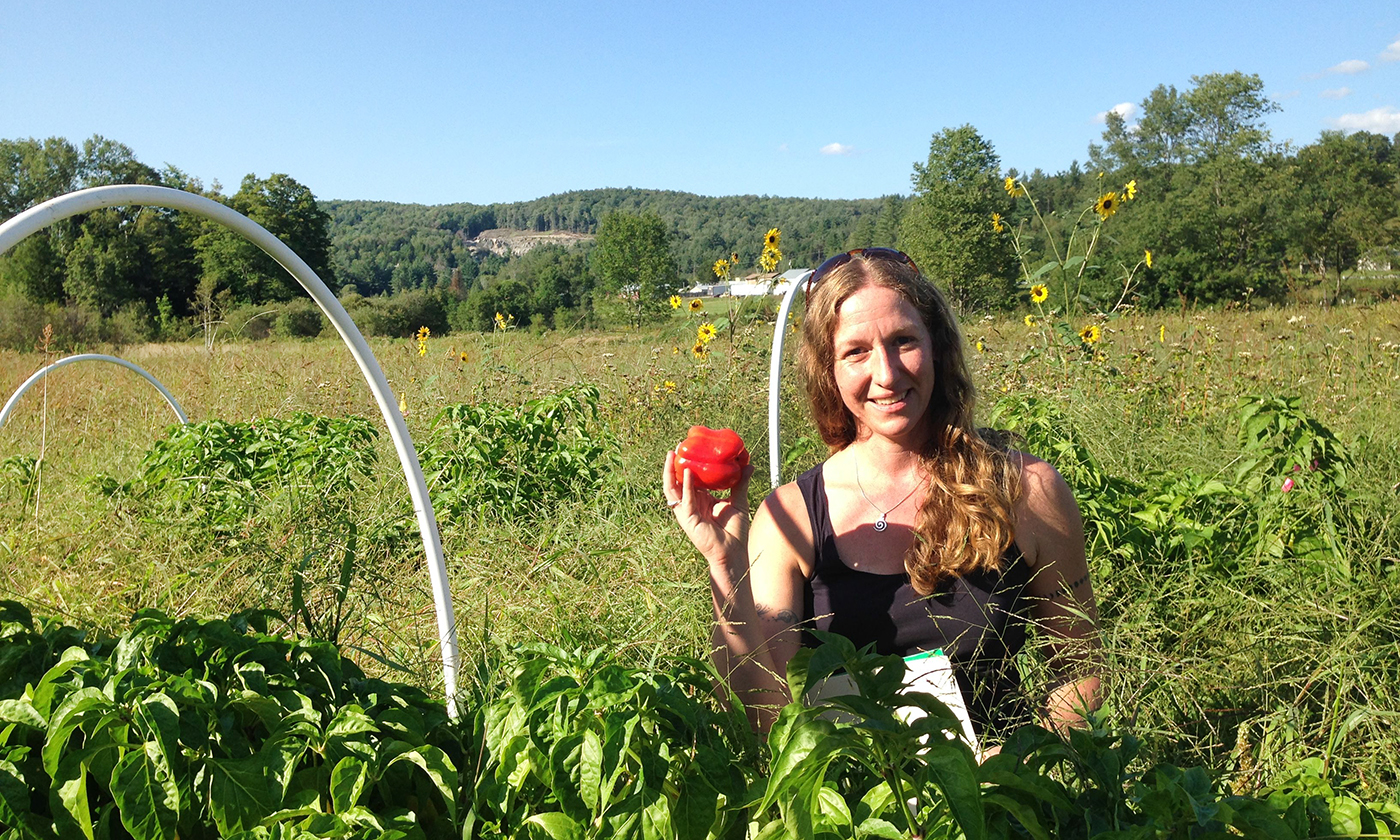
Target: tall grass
x=1246 y=665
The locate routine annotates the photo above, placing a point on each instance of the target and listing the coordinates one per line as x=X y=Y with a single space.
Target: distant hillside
x=382 y=246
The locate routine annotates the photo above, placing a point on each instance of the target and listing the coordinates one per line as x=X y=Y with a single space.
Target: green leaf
x=14 y=805
x=80 y=706
x=590 y=771
x=348 y=782
x=555 y=826
x=145 y=799
x=21 y=712
x=241 y=793
x=1044 y=269
x=954 y=772
x=875 y=827
x=437 y=765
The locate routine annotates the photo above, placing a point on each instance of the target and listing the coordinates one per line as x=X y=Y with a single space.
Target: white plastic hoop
x=90 y=357
x=84 y=201
x=775 y=372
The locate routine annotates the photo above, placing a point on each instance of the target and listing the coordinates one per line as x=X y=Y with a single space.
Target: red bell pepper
x=715 y=457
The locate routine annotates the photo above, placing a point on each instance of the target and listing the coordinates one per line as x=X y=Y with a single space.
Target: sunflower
x=706 y=333
x=669 y=385
x=1039 y=293
x=734 y=258
x=699 y=350
x=721 y=268
x=996 y=223
x=1091 y=334
x=1030 y=320
x=1130 y=189
x=1147 y=258
x=462 y=357
x=1107 y=204
x=981 y=348
x=697 y=305
x=768 y=260
x=772 y=238
x=1013 y=187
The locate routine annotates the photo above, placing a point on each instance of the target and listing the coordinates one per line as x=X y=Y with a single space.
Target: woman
x=914 y=534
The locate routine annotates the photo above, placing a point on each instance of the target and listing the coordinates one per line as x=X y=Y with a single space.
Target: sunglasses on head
x=868 y=253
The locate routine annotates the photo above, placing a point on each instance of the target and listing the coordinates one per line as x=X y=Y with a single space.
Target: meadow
x=1238 y=471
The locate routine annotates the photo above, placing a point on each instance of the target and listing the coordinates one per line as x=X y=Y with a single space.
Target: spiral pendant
x=881 y=524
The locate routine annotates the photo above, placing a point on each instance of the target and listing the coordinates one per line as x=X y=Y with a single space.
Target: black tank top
x=979 y=620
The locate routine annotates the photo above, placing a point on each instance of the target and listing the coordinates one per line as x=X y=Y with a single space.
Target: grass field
x=1246 y=628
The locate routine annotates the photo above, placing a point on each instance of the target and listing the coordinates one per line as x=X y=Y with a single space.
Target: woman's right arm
x=755 y=584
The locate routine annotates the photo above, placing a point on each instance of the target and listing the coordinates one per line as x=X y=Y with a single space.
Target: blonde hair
x=966 y=522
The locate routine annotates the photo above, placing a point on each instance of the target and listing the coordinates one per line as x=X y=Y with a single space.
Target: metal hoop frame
x=90 y=357
x=775 y=373
x=84 y=201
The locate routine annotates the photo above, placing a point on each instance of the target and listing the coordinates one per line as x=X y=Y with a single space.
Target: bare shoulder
x=1046 y=512
x=781 y=530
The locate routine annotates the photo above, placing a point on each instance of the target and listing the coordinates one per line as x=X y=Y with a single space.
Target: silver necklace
x=881 y=524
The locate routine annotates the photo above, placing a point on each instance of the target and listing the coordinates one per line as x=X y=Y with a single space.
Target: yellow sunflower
x=1013 y=187
x=734 y=258
x=1091 y=334
x=1030 y=320
x=981 y=348
x=772 y=238
x=996 y=223
x=721 y=268
x=768 y=260
x=675 y=301
x=1147 y=258
x=699 y=350
x=706 y=333
x=462 y=357
x=697 y=305
x=1039 y=293
x=1107 y=204
x=1130 y=189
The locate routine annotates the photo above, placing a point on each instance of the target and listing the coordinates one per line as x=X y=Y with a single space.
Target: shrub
x=299 y=319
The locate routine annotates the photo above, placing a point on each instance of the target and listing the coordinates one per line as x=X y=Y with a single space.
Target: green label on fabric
x=925 y=655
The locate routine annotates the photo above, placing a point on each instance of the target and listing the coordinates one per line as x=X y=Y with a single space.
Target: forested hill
x=383 y=246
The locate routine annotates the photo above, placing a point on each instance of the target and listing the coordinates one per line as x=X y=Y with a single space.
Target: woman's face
x=884 y=365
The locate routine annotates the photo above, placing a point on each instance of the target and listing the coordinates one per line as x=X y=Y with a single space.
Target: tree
x=633 y=259
x=290 y=212
x=947 y=224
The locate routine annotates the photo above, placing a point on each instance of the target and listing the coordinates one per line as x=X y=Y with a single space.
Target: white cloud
x=782 y=147
x=1126 y=110
x=1392 y=52
x=1350 y=67
x=837 y=149
x=1382 y=120
x=1287 y=95
x=1336 y=93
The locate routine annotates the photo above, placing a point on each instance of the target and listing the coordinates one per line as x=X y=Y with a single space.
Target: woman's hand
x=719 y=528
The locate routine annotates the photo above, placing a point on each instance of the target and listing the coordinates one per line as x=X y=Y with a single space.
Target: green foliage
x=213 y=729
x=633 y=259
x=490 y=460
x=299 y=319
x=220 y=473
x=947 y=225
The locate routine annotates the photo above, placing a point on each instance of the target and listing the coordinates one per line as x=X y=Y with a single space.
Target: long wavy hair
x=966 y=522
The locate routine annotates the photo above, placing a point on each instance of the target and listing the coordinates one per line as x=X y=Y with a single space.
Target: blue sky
x=482 y=102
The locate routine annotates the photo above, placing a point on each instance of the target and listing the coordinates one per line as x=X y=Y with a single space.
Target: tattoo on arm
x=1065 y=590
x=767 y=613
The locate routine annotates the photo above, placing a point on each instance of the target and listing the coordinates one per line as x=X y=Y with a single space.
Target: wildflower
x=734 y=258
x=771 y=239
x=675 y=350
x=1091 y=334
x=1147 y=258
x=699 y=350
x=1030 y=320
x=706 y=333
x=1287 y=485
x=996 y=223
x=462 y=357
x=1162 y=334
x=768 y=260
x=1013 y=187
x=981 y=348
x=669 y=386
x=503 y=321
x=675 y=301
x=1107 y=204
x=1039 y=293
x=403 y=406
x=1130 y=189
x=697 y=305
x=721 y=267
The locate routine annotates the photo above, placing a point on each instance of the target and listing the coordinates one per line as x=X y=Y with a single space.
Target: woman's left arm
x=1050 y=533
